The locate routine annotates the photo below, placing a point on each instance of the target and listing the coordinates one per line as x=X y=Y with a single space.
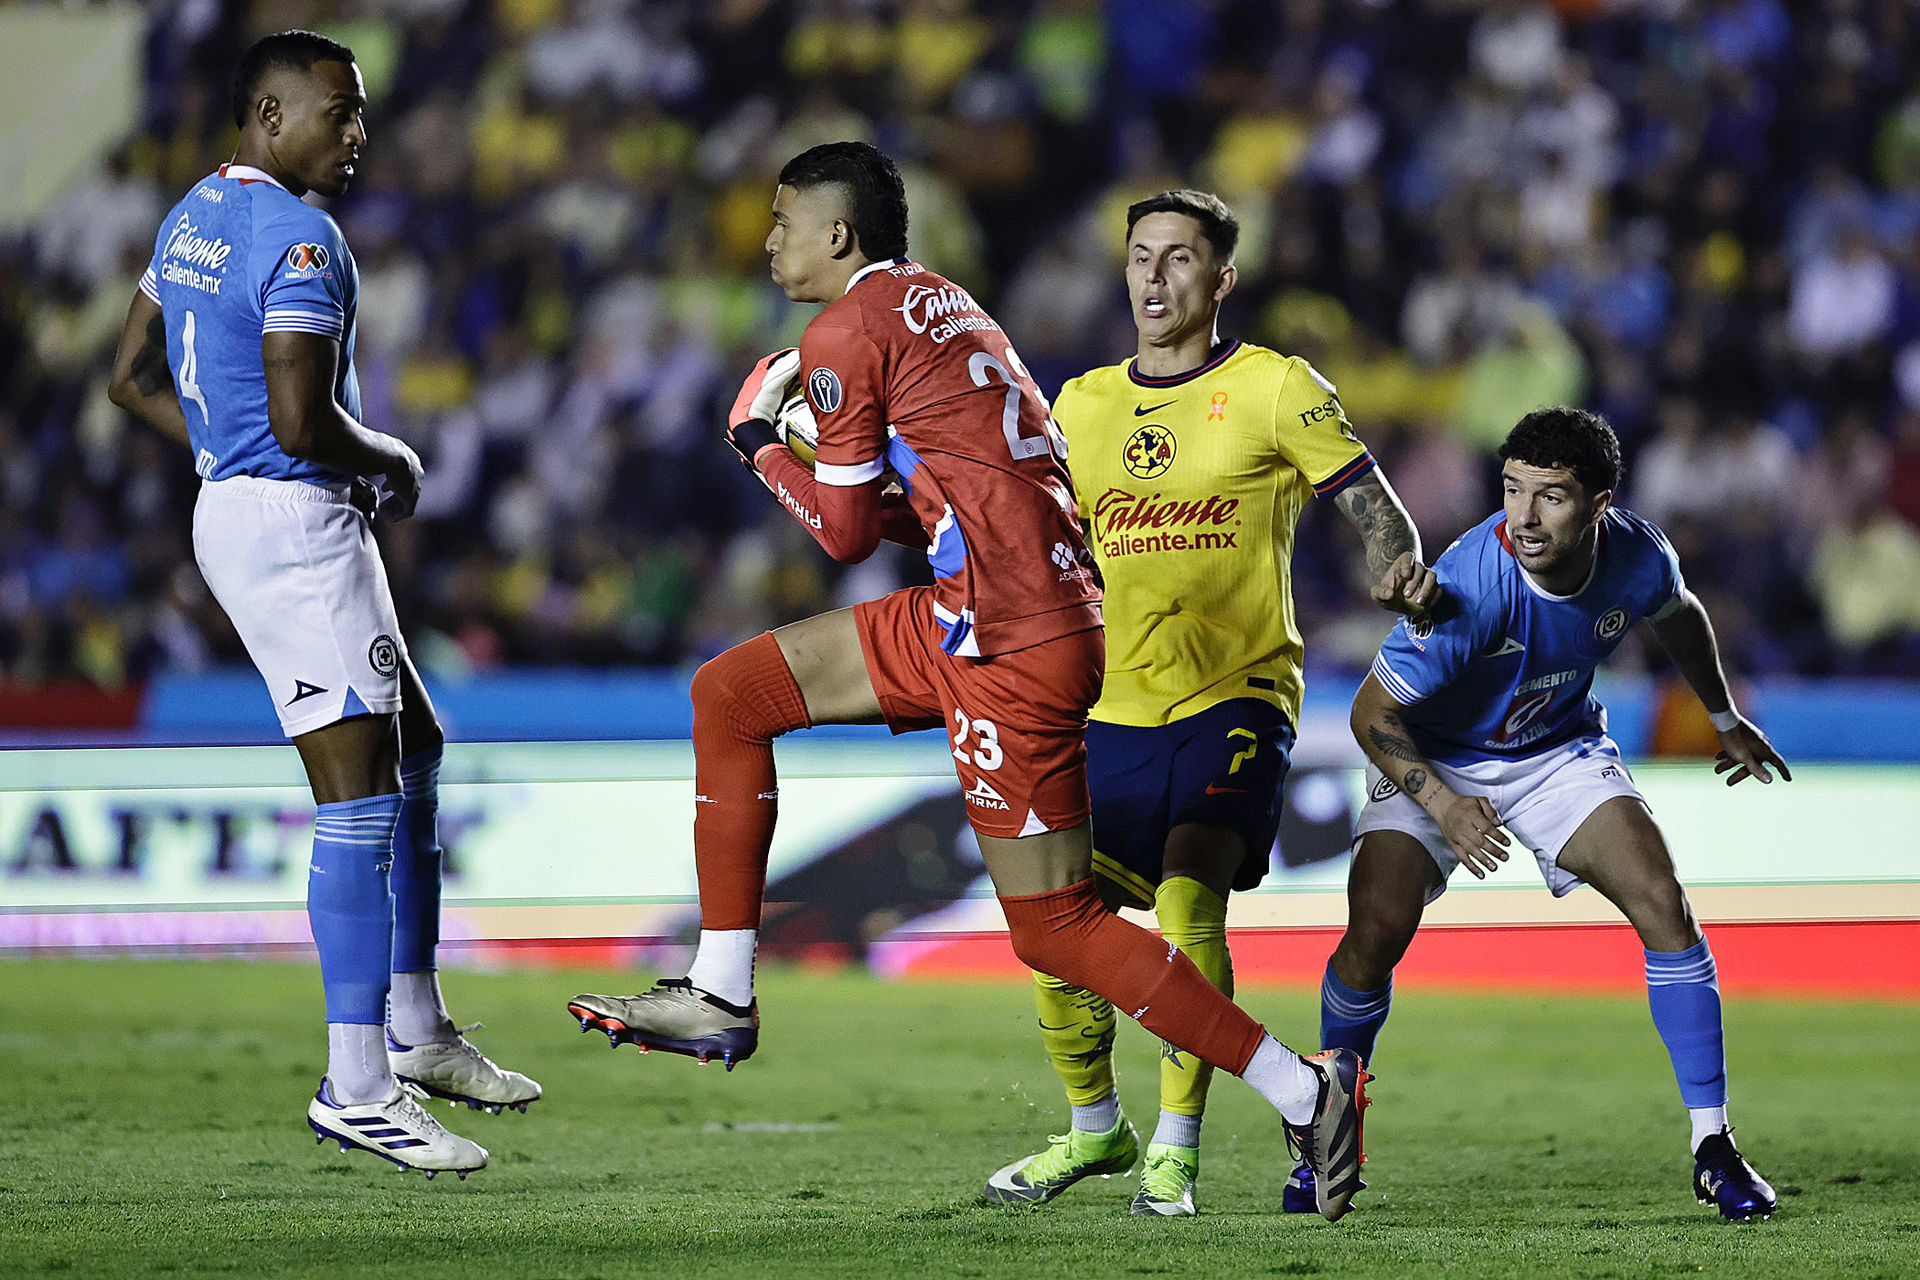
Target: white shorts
x=1542 y=799
x=297 y=570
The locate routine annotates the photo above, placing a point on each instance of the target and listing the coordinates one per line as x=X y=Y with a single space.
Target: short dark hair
x=1216 y=220
x=1577 y=439
x=876 y=198
x=294 y=50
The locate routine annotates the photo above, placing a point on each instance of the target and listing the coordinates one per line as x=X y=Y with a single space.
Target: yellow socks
x=1193 y=918
x=1077 y=1028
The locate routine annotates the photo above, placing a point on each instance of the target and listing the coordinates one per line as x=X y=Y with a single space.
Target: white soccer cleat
x=457 y=1071
x=396 y=1128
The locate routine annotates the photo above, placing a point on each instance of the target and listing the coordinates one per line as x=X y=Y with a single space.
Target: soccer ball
x=795 y=424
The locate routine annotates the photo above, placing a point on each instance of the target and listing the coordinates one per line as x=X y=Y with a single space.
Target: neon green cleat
x=1069 y=1157
x=1166 y=1184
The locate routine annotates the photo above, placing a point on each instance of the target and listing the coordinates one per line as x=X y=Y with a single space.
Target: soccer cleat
x=1166 y=1184
x=675 y=1016
x=1330 y=1144
x=396 y=1128
x=1722 y=1177
x=1298 y=1195
x=457 y=1071
x=1069 y=1157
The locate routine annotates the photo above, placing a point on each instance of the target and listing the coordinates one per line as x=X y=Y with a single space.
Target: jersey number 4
x=190 y=372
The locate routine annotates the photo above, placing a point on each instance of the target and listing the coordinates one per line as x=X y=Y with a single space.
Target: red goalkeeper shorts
x=1016 y=722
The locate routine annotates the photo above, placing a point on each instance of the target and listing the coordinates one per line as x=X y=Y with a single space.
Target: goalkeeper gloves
x=750 y=423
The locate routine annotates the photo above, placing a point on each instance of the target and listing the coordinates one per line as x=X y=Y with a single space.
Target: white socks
x=417 y=1011
x=357 y=1062
x=1098 y=1117
x=1283 y=1078
x=723 y=966
x=1707 y=1121
x=1177 y=1130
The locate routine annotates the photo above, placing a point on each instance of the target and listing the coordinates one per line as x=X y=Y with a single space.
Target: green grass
x=151 y=1122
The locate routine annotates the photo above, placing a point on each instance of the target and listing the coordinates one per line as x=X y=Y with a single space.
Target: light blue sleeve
x=1416 y=661
x=1667 y=587
x=306 y=274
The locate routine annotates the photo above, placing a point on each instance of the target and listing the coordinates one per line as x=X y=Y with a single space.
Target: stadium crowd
x=1702 y=219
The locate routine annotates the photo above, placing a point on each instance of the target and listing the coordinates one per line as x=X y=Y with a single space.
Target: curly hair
x=876 y=198
x=1578 y=440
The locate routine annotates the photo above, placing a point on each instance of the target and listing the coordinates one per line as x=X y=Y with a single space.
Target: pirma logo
x=384 y=655
x=1611 y=624
x=823 y=388
x=308 y=257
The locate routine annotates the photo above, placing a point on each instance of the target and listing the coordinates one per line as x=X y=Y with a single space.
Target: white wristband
x=1724 y=721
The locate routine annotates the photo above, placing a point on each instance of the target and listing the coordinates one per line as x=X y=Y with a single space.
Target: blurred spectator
x=1702 y=219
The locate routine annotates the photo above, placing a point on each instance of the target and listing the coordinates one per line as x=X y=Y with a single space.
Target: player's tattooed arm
x=1400 y=581
x=1393 y=741
x=141 y=382
x=1470 y=823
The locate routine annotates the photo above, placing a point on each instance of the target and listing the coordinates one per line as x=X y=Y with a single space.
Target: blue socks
x=416 y=864
x=1351 y=1019
x=1683 y=990
x=349 y=907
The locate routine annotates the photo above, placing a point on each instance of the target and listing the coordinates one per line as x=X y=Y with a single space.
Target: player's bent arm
x=141 y=382
x=1470 y=823
x=1401 y=582
x=844 y=519
x=1686 y=633
x=309 y=423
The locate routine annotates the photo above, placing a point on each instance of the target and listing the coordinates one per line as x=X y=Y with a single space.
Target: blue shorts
x=1225 y=767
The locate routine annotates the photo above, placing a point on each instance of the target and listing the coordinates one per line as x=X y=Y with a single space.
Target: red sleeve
x=844 y=519
x=844 y=374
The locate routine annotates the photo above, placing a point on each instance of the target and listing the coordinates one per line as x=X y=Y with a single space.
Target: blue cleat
x=1298 y=1195
x=1722 y=1177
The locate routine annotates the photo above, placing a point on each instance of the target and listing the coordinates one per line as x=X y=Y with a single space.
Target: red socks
x=1069 y=934
x=742 y=701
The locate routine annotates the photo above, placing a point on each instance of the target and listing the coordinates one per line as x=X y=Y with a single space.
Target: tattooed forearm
x=1385 y=530
x=150 y=372
x=1389 y=742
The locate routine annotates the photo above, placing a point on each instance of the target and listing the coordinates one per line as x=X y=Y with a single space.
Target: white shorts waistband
x=278 y=490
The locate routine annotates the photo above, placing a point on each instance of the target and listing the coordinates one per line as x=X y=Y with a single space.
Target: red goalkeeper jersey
x=906 y=372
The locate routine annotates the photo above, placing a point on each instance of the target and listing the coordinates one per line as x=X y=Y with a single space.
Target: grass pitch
x=152 y=1122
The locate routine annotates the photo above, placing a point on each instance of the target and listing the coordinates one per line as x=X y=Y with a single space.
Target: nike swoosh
x=1225 y=791
x=1141 y=413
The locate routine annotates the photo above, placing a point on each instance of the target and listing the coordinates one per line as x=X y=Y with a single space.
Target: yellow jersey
x=1190 y=487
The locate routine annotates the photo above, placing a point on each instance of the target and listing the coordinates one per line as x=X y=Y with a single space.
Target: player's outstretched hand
x=1745 y=751
x=1407 y=587
x=1472 y=827
x=403 y=484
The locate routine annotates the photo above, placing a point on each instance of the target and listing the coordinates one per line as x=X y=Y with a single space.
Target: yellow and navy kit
x=1190 y=487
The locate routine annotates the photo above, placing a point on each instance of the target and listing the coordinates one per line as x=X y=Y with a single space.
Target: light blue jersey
x=240 y=256
x=1503 y=669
